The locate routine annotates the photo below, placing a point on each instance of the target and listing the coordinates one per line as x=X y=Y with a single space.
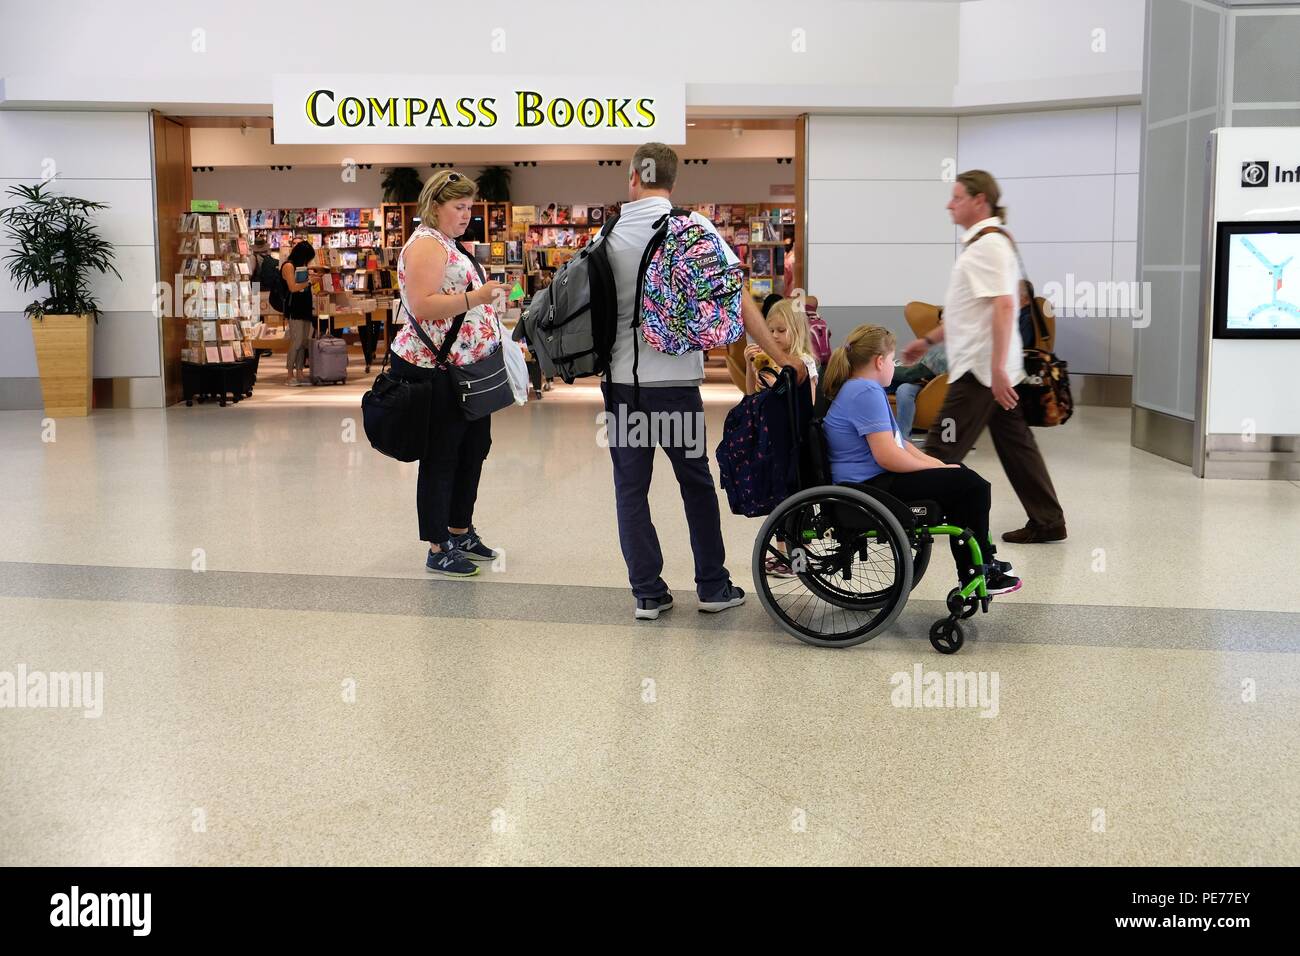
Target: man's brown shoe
x=1034 y=533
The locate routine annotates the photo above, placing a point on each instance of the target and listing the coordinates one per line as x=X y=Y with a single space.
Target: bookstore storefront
x=255 y=187
x=534 y=212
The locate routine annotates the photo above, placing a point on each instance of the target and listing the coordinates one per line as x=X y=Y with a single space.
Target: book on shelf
x=223 y=222
x=482 y=252
x=596 y=215
x=548 y=213
x=524 y=215
x=514 y=252
x=742 y=235
x=352 y=217
x=227 y=353
x=761 y=262
x=216 y=268
x=212 y=353
x=760 y=287
x=498 y=253
x=578 y=215
x=756 y=231
x=562 y=214
x=337 y=218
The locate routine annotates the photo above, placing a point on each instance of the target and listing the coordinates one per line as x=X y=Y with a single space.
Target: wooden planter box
x=65 y=355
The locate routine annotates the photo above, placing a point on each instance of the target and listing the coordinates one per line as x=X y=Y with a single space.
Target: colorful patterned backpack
x=688 y=295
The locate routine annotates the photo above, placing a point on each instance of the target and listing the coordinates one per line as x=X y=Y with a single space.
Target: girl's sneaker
x=473 y=546
x=450 y=561
x=998 y=578
x=777 y=567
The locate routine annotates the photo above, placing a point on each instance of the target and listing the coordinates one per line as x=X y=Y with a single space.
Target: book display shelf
x=220 y=306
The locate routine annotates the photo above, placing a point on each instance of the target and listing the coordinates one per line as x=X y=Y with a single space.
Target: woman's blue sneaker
x=473 y=546
x=451 y=562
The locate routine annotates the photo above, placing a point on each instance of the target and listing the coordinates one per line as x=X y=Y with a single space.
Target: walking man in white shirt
x=986 y=360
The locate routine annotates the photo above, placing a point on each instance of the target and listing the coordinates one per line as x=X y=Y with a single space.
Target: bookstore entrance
x=248 y=201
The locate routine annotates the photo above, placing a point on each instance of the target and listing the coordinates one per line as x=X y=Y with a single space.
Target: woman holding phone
x=439 y=280
x=299 y=312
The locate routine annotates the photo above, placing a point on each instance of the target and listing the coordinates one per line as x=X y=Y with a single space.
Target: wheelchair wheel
x=851 y=564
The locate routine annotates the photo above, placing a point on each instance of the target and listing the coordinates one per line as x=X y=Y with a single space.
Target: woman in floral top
x=438 y=280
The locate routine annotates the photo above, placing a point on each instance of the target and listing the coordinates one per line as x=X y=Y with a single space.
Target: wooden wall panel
x=174 y=182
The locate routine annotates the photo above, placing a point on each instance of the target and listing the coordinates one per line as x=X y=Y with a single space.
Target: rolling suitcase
x=329 y=360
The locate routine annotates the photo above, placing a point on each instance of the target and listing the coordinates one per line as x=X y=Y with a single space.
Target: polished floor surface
x=283 y=684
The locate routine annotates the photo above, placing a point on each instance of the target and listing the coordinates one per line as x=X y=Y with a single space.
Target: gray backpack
x=570 y=325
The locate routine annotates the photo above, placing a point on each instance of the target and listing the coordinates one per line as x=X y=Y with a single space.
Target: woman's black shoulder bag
x=395 y=412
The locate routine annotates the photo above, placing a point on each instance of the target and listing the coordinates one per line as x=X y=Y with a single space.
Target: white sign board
x=415 y=109
x=1258 y=180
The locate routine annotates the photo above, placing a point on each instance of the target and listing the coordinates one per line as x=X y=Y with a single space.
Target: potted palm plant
x=494 y=184
x=57 y=247
x=402 y=184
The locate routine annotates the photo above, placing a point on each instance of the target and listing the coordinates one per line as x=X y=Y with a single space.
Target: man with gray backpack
x=678 y=292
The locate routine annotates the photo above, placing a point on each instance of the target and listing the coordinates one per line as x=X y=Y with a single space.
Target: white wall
x=106 y=157
x=879 y=235
x=1027 y=50
x=819 y=54
x=724 y=182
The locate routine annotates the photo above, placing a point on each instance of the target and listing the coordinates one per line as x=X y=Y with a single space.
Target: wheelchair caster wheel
x=946 y=636
x=972 y=605
x=956 y=603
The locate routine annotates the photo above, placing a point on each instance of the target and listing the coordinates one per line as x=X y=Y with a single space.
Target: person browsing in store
x=438 y=280
x=866 y=447
x=299 y=310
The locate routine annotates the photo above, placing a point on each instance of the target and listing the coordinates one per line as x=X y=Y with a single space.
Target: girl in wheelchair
x=865 y=448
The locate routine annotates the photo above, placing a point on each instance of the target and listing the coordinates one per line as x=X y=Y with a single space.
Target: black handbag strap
x=1040 y=324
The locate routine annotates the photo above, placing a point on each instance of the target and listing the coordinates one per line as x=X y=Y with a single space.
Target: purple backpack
x=688 y=295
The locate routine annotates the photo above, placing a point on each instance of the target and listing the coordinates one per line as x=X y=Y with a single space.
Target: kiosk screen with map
x=1258 y=280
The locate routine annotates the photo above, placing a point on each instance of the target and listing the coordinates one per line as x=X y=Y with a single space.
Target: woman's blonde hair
x=444 y=186
x=796 y=321
x=863 y=344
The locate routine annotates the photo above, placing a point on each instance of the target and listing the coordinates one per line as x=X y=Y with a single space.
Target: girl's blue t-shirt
x=860 y=408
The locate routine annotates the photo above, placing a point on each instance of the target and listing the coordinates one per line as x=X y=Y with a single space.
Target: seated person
x=1028 y=335
x=866 y=448
x=910 y=379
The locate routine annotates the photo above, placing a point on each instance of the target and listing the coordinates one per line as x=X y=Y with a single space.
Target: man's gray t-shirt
x=626 y=244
